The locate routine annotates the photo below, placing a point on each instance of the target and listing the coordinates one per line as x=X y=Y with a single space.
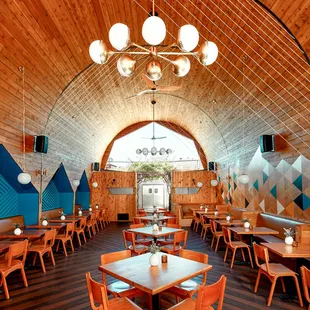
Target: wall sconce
x=41 y=172
x=113 y=182
x=94 y=184
x=199 y=184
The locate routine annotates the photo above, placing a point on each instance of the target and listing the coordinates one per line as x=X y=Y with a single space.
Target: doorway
x=153 y=195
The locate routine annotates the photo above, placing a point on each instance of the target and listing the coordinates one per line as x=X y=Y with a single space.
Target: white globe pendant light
x=76 y=183
x=214 y=182
x=188 y=38
x=119 y=36
x=181 y=66
x=154 y=30
x=243 y=179
x=24 y=178
x=126 y=65
x=98 y=52
x=94 y=184
x=207 y=53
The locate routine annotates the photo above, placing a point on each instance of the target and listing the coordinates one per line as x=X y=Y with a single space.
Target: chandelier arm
x=165 y=58
x=176 y=53
x=141 y=47
x=132 y=53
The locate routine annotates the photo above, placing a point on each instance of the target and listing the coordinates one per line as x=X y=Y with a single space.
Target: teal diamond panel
x=256 y=185
x=274 y=191
x=303 y=201
x=9 y=203
x=50 y=197
x=298 y=182
x=265 y=177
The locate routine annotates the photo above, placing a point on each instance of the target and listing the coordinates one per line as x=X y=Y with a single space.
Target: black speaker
x=40 y=144
x=95 y=167
x=266 y=143
x=212 y=166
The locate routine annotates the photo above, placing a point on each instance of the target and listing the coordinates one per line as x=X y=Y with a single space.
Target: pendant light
x=24 y=177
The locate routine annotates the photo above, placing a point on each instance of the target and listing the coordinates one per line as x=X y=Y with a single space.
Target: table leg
x=156 y=302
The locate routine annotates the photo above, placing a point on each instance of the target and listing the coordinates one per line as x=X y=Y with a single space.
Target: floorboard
x=64 y=286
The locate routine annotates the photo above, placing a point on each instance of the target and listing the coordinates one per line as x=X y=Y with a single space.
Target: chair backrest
x=49 y=238
x=208 y=295
x=69 y=229
x=260 y=252
x=202 y=219
x=113 y=257
x=305 y=276
x=16 y=250
x=82 y=223
x=226 y=235
x=172 y=221
x=173 y=225
x=179 y=237
x=130 y=237
x=213 y=226
x=167 y=213
x=142 y=213
x=97 y=292
x=140 y=225
x=136 y=220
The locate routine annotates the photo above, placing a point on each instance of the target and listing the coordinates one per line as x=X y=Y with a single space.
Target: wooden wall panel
x=115 y=203
x=206 y=194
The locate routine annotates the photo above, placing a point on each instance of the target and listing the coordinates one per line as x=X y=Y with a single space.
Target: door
x=153 y=195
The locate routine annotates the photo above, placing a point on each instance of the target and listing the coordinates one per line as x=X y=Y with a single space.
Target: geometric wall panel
x=8 y=199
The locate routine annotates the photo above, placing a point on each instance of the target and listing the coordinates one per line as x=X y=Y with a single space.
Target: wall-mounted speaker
x=95 y=167
x=266 y=143
x=212 y=166
x=40 y=144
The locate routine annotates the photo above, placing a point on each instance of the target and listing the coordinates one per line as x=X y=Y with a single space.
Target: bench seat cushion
x=268 y=238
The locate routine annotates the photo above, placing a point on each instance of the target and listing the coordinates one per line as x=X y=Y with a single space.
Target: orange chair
x=145 y=240
x=196 y=221
x=174 y=248
x=234 y=246
x=136 y=220
x=205 y=226
x=46 y=247
x=188 y=288
x=305 y=276
x=64 y=238
x=90 y=224
x=172 y=221
x=96 y=220
x=167 y=239
x=207 y=296
x=80 y=230
x=97 y=293
x=11 y=264
x=216 y=234
x=133 y=247
x=272 y=271
x=141 y=212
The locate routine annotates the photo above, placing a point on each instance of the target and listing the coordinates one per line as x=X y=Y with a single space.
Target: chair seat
x=122 y=303
x=139 y=248
x=61 y=236
x=38 y=248
x=169 y=248
x=239 y=244
x=219 y=233
x=184 y=288
x=278 y=270
x=187 y=304
x=121 y=288
x=163 y=241
x=4 y=265
x=146 y=241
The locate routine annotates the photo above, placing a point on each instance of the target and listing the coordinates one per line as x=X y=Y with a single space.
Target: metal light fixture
x=24 y=177
x=154 y=33
x=153 y=151
x=94 y=185
x=214 y=183
x=76 y=183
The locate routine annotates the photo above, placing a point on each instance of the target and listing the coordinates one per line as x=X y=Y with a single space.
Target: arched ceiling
x=260 y=77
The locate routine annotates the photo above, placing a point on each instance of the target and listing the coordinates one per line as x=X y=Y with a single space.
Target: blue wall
x=15 y=198
x=58 y=193
x=83 y=192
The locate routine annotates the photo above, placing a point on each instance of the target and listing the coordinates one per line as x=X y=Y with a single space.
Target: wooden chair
x=136 y=220
x=196 y=221
x=80 y=230
x=46 y=247
x=133 y=247
x=144 y=240
x=234 y=246
x=207 y=296
x=101 y=219
x=12 y=263
x=216 y=235
x=205 y=226
x=64 y=238
x=90 y=225
x=188 y=288
x=272 y=271
x=96 y=220
x=105 y=216
x=172 y=221
x=141 y=213
x=178 y=238
x=167 y=240
x=305 y=276
x=97 y=293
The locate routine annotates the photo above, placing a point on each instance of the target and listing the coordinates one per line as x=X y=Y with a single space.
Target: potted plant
x=289 y=233
x=17 y=230
x=80 y=212
x=90 y=209
x=44 y=220
x=206 y=209
x=228 y=216
x=62 y=215
x=154 y=258
x=246 y=223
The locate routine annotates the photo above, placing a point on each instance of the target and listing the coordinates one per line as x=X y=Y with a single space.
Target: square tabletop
x=5 y=244
x=26 y=234
x=151 y=218
x=138 y=272
x=68 y=219
x=230 y=223
x=215 y=217
x=148 y=231
x=284 y=250
x=210 y=212
x=50 y=225
x=254 y=231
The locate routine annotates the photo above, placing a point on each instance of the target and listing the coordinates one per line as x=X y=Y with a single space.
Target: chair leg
x=273 y=285
x=242 y=255
x=64 y=246
x=257 y=281
x=42 y=263
x=57 y=248
x=226 y=253
x=34 y=259
x=212 y=241
x=84 y=236
x=52 y=256
x=24 y=276
x=78 y=236
x=283 y=285
x=217 y=244
x=298 y=291
x=233 y=258
x=250 y=256
x=71 y=244
x=205 y=234
x=5 y=287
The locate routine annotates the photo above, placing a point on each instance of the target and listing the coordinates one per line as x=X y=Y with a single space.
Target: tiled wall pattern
x=282 y=189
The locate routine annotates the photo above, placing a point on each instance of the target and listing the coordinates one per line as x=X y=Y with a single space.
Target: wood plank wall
x=115 y=203
x=206 y=194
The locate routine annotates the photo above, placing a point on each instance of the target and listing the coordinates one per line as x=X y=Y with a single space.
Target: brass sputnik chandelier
x=154 y=33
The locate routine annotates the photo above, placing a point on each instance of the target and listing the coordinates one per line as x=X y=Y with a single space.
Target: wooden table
x=150 y=218
x=215 y=217
x=26 y=234
x=288 y=251
x=69 y=219
x=5 y=244
x=50 y=225
x=138 y=272
x=210 y=212
x=230 y=223
x=158 y=211
x=148 y=231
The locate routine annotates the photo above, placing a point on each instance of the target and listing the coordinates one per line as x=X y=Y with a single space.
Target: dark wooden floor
x=64 y=286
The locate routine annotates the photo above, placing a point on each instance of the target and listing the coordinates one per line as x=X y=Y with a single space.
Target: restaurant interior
x=228 y=229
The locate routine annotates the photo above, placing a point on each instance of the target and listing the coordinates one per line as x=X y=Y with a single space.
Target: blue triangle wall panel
x=83 y=192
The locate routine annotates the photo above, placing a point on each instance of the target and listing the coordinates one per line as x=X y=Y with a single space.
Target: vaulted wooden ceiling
x=259 y=83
